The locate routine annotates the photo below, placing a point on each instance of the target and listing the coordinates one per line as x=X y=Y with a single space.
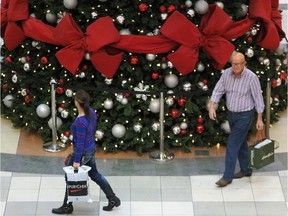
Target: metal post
x=161 y=155
x=54 y=146
x=268 y=95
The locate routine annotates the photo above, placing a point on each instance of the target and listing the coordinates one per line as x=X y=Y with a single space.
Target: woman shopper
x=84 y=149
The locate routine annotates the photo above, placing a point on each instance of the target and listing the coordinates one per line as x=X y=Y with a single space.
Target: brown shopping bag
x=262 y=152
x=77 y=184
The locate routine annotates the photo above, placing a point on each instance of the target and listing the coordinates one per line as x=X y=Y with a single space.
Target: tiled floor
x=32 y=182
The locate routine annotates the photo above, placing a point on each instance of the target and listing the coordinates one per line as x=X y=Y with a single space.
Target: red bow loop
x=178 y=28
x=12 y=12
x=68 y=34
x=271 y=32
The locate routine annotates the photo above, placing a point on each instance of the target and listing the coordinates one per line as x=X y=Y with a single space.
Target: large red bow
x=13 y=11
x=271 y=31
x=213 y=24
x=99 y=34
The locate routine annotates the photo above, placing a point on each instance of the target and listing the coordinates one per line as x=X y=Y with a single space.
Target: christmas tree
x=124 y=53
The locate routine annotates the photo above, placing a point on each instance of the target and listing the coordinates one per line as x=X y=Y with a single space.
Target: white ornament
x=156 y=126
x=82 y=75
x=51 y=18
x=220 y=4
x=99 y=134
x=156 y=31
x=183 y=125
x=266 y=61
x=26 y=67
x=171 y=80
x=69 y=93
x=108 y=104
x=124 y=32
x=200 y=67
x=60 y=109
x=123 y=83
x=120 y=19
x=142 y=88
x=169 y=101
x=64 y=114
x=150 y=57
x=201 y=7
x=70 y=4
x=124 y=101
x=276 y=101
x=169 y=64
x=164 y=16
x=191 y=12
x=154 y=105
x=176 y=129
x=71 y=137
x=14 y=78
x=23 y=60
x=205 y=88
x=118 y=130
x=58 y=123
x=163 y=65
x=137 y=127
x=188 y=3
x=23 y=92
x=187 y=86
x=43 y=110
x=244 y=10
x=94 y=15
x=249 y=53
x=279 y=81
x=200 y=84
x=119 y=97
x=87 y=56
x=1 y=41
x=35 y=43
x=108 y=81
x=225 y=127
x=8 y=101
x=253 y=31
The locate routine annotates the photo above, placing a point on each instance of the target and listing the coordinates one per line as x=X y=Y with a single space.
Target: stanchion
x=162 y=155
x=54 y=146
x=268 y=95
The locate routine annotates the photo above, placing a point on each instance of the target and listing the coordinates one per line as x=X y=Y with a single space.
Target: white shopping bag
x=78 y=184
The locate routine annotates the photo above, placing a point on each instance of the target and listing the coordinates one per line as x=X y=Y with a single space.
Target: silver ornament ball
x=118 y=130
x=43 y=110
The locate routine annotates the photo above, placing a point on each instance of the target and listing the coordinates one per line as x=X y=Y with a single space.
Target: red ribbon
x=271 y=31
x=13 y=11
x=99 y=34
x=208 y=37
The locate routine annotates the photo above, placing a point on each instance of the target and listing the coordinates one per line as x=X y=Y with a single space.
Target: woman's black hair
x=83 y=98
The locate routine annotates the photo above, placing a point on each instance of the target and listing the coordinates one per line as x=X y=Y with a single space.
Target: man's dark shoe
x=223 y=182
x=241 y=174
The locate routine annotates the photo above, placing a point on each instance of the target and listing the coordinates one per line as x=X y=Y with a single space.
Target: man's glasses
x=237 y=64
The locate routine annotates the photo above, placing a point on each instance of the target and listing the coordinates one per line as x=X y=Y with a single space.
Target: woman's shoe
x=64 y=209
x=114 y=201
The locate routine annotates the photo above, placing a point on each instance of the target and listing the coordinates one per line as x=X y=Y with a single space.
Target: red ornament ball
x=8 y=60
x=155 y=75
x=181 y=101
x=200 y=120
x=183 y=132
x=174 y=113
x=62 y=105
x=28 y=58
x=171 y=8
x=283 y=76
x=143 y=7
x=59 y=90
x=134 y=60
x=162 y=9
x=274 y=84
x=5 y=87
x=67 y=134
x=205 y=82
x=44 y=60
x=27 y=99
x=200 y=129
